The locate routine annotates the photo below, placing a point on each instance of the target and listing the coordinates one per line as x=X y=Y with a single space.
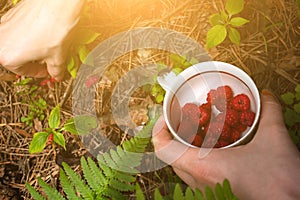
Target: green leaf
x=70 y=126
x=85 y=123
x=216 y=19
x=294 y=136
x=38 y=142
x=297 y=108
x=216 y=35
x=297 y=89
x=35 y=195
x=14 y=2
x=85 y=36
x=227 y=189
x=234 y=6
x=159 y=98
x=291 y=117
x=72 y=69
x=83 y=53
x=198 y=194
x=54 y=118
x=297 y=96
x=178 y=194
x=59 y=139
x=209 y=193
x=49 y=191
x=189 y=195
x=224 y=16
x=238 y=21
x=67 y=186
x=139 y=193
x=288 y=98
x=234 y=36
x=177 y=70
x=157 y=195
x=219 y=192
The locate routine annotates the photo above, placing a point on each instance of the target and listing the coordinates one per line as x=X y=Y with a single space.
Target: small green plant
x=36 y=111
x=14 y=2
x=292 y=113
x=54 y=132
x=224 y=24
x=180 y=63
x=114 y=177
x=220 y=192
x=111 y=178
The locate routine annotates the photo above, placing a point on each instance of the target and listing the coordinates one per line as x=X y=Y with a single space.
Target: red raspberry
x=235 y=135
x=206 y=106
x=204 y=116
x=50 y=139
x=222 y=143
x=247 y=118
x=211 y=96
x=240 y=102
x=225 y=92
x=230 y=117
x=191 y=112
x=186 y=129
x=240 y=127
x=226 y=132
x=221 y=104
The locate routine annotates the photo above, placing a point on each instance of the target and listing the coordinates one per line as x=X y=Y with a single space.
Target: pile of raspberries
x=218 y=122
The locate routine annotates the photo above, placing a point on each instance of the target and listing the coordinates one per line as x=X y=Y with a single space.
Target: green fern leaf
x=121 y=186
x=35 y=194
x=97 y=172
x=125 y=177
x=49 y=191
x=109 y=161
x=80 y=185
x=219 y=192
x=113 y=193
x=209 y=193
x=227 y=190
x=67 y=186
x=157 y=195
x=139 y=193
x=189 y=195
x=178 y=194
x=198 y=194
x=106 y=170
x=88 y=175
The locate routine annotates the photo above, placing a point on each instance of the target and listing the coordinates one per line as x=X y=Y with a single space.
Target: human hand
x=265 y=168
x=36 y=36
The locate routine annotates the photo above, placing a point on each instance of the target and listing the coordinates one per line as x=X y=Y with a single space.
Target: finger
x=271 y=129
x=31 y=69
x=271 y=110
x=166 y=148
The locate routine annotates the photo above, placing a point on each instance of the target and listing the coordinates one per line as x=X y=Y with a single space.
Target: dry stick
x=287 y=76
x=67 y=93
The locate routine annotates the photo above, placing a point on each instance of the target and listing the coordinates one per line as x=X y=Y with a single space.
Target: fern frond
x=198 y=194
x=219 y=192
x=178 y=194
x=139 y=193
x=79 y=184
x=189 y=195
x=35 y=194
x=97 y=172
x=157 y=195
x=49 y=191
x=88 y=175
x=125 y=177
x=113 y=193
x=121 y=186
x=67 y=186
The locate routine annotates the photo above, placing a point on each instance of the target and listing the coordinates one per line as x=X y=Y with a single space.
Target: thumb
x=271 y=127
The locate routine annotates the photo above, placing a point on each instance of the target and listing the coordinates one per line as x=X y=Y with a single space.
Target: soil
x=269 y=52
